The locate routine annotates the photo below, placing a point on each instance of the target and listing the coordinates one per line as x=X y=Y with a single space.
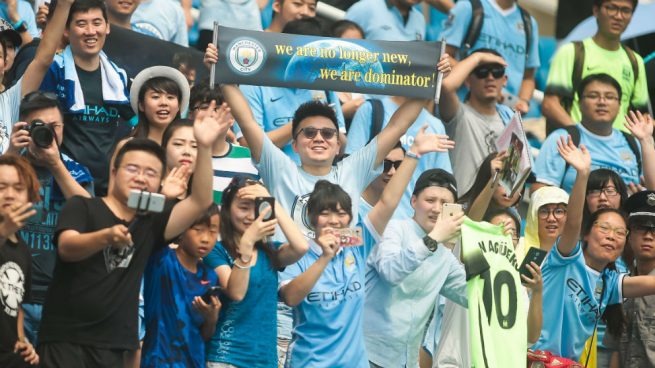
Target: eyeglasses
x=597 y=97
x=136 y=170
x=608 y=191
x=482 y=72
x=613 y=10
x=388 y=164
x=606 y=229
x=643 y=229
x=558 y=213
x=310 y=132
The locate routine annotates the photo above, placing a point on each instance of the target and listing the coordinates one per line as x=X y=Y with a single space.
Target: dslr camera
x=42 y=134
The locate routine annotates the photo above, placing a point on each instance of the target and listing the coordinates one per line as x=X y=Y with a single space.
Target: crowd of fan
x=212 y=279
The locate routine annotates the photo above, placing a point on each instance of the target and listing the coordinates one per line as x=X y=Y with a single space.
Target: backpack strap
x=473 y=32
x=574 y=132
x=633 y=62
x=632 y=143
x=377 y=117
x=578 y=64
x=527 y=28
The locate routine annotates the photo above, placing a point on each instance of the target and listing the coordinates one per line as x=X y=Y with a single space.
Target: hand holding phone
x=146 y=202
x=535 y=255
x=213 y=291
x=349 y=237
x=262 y=203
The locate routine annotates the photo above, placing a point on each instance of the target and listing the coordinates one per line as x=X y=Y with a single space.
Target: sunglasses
x=310 y=132
x=482 y=72
x=642 y=229
x=388 y=164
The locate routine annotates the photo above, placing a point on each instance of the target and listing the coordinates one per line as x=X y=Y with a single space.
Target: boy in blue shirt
x=178 y=318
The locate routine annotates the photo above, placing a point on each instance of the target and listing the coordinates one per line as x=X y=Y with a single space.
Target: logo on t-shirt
x=117 y=258
x=299 y=214
x=246 y=55
x=12 y=288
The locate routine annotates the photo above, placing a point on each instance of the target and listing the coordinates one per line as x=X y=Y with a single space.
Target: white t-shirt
x=9 y=105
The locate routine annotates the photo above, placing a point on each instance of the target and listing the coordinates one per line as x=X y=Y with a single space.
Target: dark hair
x=310 y=109
x=144 y=145
x=84 y=6
x=491 y=213
x=38 y=100
x=601 y=78
x=182 y=58
x=305 y=27
x=3 y=43
x=201 y=93
x=481 y=180
x=338 y=28
x=159 y=85
x=206 y=217
x=227 y=230
x=326 y=196
x=613 y=315
x=26 y=174
x=172 y=127
x=598 y=179
x=598 y=3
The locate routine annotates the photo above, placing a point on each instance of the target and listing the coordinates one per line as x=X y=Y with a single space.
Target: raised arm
x=47 y=47
x=638 y=286
x=206 y=129
x=297 y=289
x=553 y=111
x=481 y=203
x=580 y=160
x=423 y=144
x=641 y=127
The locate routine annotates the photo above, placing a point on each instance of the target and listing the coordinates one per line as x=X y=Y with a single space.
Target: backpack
x=377 y=117
x=574 y=132
x=477 y=19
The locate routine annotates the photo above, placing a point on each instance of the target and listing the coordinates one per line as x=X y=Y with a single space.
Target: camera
x=41 y=133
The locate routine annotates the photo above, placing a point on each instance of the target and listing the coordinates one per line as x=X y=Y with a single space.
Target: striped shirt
x=235 y=162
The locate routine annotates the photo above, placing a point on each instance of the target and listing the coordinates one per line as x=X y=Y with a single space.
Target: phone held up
x=261 y=203
x=146 y=202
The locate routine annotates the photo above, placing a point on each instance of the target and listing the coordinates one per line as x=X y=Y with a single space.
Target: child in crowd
x=247 y=261
x=158 y=95
x=19 y=189
x=178 y=318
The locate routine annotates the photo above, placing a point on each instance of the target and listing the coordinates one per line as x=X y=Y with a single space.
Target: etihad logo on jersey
x=335 y=295
x=501 y=248
x=587 y=305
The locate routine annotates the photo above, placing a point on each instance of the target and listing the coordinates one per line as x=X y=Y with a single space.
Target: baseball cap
x=436 y=178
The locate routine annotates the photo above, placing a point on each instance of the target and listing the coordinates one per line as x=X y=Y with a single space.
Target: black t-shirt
x=95 y=301
x=15 y=280
x=90 y=136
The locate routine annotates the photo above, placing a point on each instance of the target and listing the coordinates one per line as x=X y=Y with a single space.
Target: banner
x=496 y=306
x=134 y=52
x=321 y=63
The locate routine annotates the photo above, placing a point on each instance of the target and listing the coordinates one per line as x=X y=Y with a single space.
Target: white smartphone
x=146 y=201
x=451 y=209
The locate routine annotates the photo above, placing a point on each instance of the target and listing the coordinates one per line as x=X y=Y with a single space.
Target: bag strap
x=632 y=143
x=574 y=132
x=633 y=62
x=473 y=32
x=578 y=64
x=377 y=118
x=594 y=333
x=527 y=28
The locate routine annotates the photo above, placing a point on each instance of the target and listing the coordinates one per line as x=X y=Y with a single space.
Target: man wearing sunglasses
x=373 y=192
x=635 y=349
x=475 y=123
x=602 y=53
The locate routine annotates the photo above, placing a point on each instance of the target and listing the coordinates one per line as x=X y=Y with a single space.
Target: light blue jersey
x=403 y=281
x=25 y=12
x=327 y=324
x=611 y=152
x=501 y=31
x=360 y=132
x=162 y=19
x=571 y=293
x=273 y=107
x=382 y=21
x=291 y=185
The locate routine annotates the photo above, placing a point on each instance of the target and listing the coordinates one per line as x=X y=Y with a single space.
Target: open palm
x=578 y=158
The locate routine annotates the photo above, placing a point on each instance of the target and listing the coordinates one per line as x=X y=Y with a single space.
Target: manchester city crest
x=246 y=55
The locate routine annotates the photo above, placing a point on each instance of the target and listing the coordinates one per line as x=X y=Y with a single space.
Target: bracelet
x=411 y=154
x=242 y=267
x=18 y=24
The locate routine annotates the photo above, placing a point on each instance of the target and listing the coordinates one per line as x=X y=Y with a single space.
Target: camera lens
x=41 y=133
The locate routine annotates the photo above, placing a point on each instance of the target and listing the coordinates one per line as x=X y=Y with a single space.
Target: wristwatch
x=430 y=243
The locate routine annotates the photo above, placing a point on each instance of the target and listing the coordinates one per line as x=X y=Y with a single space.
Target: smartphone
x=350 y=237
x=452 y=209
x=535 y=255
x=146 y=201
x=261 y=203
x=213 y=291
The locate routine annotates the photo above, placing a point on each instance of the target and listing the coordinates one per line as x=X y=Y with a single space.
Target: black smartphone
x=261 y=203
x=213 y=291
x=535 y=255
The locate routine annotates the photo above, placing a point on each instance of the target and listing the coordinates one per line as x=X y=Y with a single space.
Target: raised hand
x=489 y=58
x=250 y=192
x=446 y=227
x=119 y=237
x=42 y=16
x=209 y=124
x=20 y=138
x=257 y=231
x=536 y=282
x=14 y=218
x=176 y=182
x=426 y=143
x=329 y=243
x=211 y=55
x=498 y=162
x=444 y=65
x=641 y=126
x=578 y=158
